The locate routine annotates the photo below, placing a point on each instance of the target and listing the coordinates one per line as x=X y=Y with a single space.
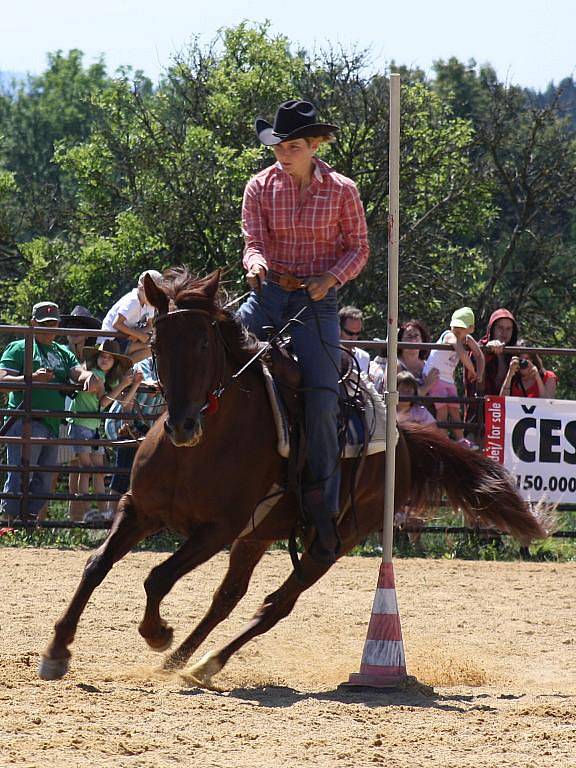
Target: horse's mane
x=187 y=291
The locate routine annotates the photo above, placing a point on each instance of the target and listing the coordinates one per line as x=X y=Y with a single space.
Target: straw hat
x=110 y=346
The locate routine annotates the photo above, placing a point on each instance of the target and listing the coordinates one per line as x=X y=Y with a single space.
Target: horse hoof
x=206 y=668
x=52 y=669
x=162 y=641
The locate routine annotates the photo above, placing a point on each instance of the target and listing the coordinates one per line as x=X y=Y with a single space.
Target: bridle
x=217 y=388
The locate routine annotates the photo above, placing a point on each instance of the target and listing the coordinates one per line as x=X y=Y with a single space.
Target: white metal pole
x=383 y=662
x=391 y=395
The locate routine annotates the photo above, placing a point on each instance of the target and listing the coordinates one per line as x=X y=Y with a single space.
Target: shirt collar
x=320 y=168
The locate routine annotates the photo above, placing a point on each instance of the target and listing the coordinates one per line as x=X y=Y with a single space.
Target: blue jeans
x=317 y=346
x=40 y=482
x=124 y=459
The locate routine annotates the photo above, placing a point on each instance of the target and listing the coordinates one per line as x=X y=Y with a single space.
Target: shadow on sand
x=411 y=694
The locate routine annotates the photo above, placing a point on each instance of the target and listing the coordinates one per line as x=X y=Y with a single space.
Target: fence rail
x=27 y=413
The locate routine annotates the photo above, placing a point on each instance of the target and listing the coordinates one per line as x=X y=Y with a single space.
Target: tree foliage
x=101 y=177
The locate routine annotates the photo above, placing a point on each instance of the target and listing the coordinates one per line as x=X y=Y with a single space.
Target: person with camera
x=527 y=377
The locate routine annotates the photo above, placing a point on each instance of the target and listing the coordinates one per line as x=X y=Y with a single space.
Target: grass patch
x=465 y=546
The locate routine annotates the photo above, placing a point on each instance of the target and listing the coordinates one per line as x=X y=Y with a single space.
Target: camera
x=524 y=363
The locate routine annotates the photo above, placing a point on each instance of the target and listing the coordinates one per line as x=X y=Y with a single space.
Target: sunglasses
x=356 y=334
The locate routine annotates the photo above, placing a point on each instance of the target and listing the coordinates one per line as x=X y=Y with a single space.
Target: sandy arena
x=494 y=644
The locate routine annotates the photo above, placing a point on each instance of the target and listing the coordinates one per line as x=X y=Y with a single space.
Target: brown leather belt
x=285 y=281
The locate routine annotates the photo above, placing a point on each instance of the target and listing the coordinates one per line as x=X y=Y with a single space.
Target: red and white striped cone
x=383 y=663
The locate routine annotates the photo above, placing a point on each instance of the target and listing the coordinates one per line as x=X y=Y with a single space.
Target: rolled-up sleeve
x=254 y=227
x=13 y=358
x=354 y=232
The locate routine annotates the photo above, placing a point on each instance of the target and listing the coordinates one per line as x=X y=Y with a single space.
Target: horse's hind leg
x=128 y=529
x=244 y=557
x=204 y=542
x=275 y=607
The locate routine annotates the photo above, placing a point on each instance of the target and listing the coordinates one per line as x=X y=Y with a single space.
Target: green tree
x=101 y=178
x=177 y=159
x=445 y=206
x=46 y=109
x=9 y=256
x=524 y=149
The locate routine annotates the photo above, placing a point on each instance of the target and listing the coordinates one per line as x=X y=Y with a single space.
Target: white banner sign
x=536 y=440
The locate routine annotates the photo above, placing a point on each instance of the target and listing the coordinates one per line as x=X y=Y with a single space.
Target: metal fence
x=475 y=427
x=27 y=413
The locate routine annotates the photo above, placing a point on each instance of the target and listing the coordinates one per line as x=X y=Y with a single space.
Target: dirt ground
x=493 y=642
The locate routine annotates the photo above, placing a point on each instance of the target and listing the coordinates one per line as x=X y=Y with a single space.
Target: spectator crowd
x=108 y=372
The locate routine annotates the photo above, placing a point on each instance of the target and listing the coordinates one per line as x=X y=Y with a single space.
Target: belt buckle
x=292 y=283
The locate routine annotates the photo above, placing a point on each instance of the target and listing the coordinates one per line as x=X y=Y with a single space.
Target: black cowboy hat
x=80 y=317
x=110 y=346
x=294 y=120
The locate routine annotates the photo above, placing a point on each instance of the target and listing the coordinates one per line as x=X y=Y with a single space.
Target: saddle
x=362 y=408
x=287 y=377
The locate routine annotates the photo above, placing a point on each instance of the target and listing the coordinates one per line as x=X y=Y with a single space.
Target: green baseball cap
x=462 y=318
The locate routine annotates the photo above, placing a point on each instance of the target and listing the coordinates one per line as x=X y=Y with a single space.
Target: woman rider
x=305 y=236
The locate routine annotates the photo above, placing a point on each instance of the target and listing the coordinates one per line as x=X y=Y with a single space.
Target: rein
x=212 y=400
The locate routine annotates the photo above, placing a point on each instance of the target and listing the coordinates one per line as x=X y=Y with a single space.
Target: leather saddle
x=287 y=377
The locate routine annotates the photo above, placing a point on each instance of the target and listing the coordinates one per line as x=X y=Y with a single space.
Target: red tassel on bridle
x=212 y=405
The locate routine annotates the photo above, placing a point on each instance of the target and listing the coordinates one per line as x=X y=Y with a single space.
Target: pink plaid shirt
x=325 y=233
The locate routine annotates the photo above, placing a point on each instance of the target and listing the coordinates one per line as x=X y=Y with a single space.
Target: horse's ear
x=210 y=284
x=155 y=295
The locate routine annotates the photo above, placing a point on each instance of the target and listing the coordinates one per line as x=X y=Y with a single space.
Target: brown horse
x=207 y=464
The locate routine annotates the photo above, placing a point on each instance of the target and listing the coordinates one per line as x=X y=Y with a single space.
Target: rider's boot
x=326 y=545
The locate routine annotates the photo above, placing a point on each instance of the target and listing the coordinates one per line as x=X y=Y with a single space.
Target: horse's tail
x=481 y=488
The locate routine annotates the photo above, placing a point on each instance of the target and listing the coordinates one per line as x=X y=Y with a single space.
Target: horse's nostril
x=190 y=425
x=168 y=427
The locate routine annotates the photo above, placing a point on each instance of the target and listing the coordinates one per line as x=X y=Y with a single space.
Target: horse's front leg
x=275 y=607
x=244 y=557
x=128 y=528
x=204 y=542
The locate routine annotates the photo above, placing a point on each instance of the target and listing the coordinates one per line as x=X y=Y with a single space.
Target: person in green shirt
x=54 y=363
x=113 y=373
